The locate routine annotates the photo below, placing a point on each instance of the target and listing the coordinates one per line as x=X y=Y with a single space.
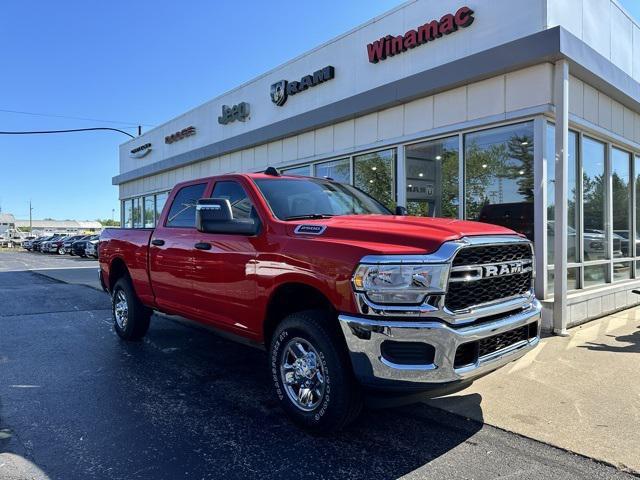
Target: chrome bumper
x=364 y=338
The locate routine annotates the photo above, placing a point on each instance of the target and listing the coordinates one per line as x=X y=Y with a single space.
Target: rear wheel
x=312 y=373
x=130 y=317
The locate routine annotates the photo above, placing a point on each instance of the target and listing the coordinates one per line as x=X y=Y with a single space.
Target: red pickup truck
x=345 y=295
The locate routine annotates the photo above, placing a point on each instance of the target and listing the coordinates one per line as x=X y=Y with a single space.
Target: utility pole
x=30 y=218
x=113 y=214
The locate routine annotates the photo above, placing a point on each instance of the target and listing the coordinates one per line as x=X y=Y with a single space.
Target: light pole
x=30 y=218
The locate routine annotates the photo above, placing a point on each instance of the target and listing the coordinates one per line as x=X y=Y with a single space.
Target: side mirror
x=214 y=215
x=401 y=210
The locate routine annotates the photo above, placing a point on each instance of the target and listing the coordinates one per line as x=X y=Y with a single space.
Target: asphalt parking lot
x=78 y=403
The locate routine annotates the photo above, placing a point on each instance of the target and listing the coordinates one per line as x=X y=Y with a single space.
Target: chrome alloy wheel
x=121 y=309
x=61 y=251
x=302 y=374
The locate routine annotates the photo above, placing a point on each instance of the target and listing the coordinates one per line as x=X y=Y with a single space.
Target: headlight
x=400 y=284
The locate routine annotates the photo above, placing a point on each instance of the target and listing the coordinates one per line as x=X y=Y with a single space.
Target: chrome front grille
x=508 y=269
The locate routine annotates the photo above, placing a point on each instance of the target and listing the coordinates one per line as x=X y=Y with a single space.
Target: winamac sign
x=389 y=46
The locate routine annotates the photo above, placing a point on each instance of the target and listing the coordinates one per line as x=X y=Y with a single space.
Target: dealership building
x=524 y=113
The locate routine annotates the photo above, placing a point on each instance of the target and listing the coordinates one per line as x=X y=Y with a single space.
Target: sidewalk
x=580 y=393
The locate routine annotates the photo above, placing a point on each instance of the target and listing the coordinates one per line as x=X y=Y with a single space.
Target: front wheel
x=130 y=317
x=312 y=373
x=61 y=251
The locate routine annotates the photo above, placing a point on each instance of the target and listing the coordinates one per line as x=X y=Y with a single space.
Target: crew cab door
x=224 y=278
x=171 y=252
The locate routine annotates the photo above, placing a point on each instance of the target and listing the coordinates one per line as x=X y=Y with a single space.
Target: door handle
x=157 y=242
x=203 y=246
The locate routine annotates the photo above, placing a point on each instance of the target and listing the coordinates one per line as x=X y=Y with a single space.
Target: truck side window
x=183 y=209
x=241 y=206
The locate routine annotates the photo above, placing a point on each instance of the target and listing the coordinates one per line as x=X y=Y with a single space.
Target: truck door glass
x=241 y=206
x=183 y=209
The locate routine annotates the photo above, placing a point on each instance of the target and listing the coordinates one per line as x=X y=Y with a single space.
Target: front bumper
x=365 y=336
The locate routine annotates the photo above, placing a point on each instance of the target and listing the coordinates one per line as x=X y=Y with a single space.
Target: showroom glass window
x=573 y=245
x=128 y=213
x=498 y=168
x=183 y=209
x=374 y=173
x=161 y=199
x=304 y=170
x=621 y=219
x=595 y=237
x=137 y=212
x=149 y=212
x=338 y=170
x=432 y=178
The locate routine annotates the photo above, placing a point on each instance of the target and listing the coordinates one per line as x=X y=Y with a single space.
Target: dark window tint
x=240 y=204
x=183 y=208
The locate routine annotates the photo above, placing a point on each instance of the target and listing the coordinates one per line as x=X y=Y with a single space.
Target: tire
x=130 y=317
x=61 y=251
x=334 y=399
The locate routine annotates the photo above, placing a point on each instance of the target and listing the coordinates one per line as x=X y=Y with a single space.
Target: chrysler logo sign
x=140 y=151
x=281 y=90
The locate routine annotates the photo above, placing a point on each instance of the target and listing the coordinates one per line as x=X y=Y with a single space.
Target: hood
x=398 y=234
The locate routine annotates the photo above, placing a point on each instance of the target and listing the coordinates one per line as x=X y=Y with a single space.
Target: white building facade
x=490 y=110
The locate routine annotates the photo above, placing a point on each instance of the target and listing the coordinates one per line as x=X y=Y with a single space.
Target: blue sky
x=132 y=61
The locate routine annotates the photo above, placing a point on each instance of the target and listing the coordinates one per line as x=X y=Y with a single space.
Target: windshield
x=297 y=198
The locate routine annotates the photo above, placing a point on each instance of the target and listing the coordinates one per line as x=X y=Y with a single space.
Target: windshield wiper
x=310 y=216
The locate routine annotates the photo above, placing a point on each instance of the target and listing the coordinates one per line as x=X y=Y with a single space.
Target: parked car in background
x=38 y=244
x=55 y=246
x=51 y=245
x=80 y=246
x=28 y=243
x=66 y=245
x=91 y=249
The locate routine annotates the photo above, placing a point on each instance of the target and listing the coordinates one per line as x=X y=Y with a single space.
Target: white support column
x=540 y=204
x=561 y=100
x=401 y=177
x=462 y=204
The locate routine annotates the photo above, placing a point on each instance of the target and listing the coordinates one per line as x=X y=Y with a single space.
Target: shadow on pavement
x=185 y=403
x=632 y=341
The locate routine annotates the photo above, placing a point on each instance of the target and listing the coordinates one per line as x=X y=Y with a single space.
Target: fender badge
x=310 y=229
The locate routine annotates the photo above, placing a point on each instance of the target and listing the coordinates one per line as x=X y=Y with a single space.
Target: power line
x=67 y=131
x=52 y=115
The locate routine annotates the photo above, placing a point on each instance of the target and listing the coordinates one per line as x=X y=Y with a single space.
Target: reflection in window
x=572 y=279
x=137 y=212
x=305 y=170
x=183 y=208
x=149 y=212
x=432 y=178
x=595 y=275
x=241 y=206
x=572 y=214
x=161 y=199
x=338 y=170
x=621 y=195
x=637 y=209
x=621 y=271
x=499 y=177
x=374 y=173
x=128 y=213
x=593 y=187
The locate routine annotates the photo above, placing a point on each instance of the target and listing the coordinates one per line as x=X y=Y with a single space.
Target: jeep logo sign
x=231 y=114
x=281 y=90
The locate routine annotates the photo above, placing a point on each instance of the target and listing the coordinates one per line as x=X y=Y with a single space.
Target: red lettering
x=410 y=39
x=447 y=24
x=464 y=17
x=375 y=51
x=429 y=31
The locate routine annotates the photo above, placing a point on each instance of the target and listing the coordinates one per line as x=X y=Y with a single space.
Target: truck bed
x=132 y=246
